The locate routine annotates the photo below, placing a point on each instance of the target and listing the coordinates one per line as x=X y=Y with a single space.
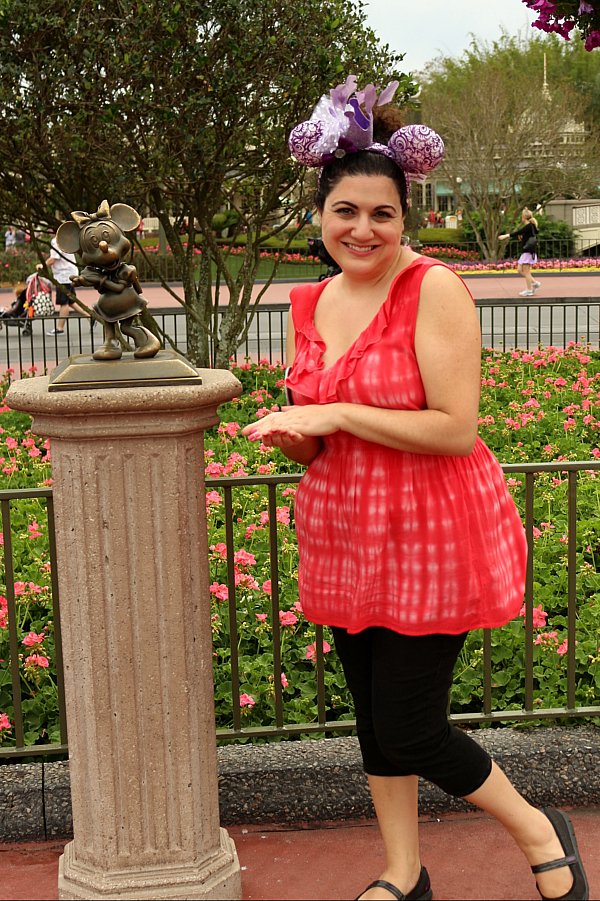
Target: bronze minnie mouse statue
x=100 y=238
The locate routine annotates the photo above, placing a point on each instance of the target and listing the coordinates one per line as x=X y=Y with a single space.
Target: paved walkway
x=468 y=856
x=483 y=287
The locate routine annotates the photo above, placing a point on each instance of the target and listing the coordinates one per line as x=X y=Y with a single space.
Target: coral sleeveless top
x=417 y=543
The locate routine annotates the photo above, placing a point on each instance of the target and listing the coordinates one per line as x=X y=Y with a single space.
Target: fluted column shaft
x=127 y=466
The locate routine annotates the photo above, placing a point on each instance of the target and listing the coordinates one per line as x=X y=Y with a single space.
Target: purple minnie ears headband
x=342 y=122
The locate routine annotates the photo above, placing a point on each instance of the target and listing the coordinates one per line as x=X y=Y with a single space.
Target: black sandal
x=563 y=827
x=420 y=892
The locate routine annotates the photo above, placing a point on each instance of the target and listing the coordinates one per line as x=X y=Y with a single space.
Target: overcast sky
x=422 y=29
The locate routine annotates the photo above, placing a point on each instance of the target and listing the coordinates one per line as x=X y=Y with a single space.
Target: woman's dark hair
x=386 y=121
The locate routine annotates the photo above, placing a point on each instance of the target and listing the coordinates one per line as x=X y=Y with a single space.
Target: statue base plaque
x=167 y=368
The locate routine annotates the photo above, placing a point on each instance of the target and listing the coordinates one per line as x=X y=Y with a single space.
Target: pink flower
x=231 y=428
x=34 y=530
x=236 y=457
x=246 y=580
x=219 y=591
x=213 y=497
x=219 y=550
x=311 y=651
x=11 y=443
x=266 y=586
x=247 y=700
x=287 y=618
x=33 y=638
x=214 y=469
x=563 y=648
x=539 y=616
x=547 y=638
x=283 y=515
x=5 y=722
x=261 y=617
x=36 y=660
x=284 y=681
x=243 y=558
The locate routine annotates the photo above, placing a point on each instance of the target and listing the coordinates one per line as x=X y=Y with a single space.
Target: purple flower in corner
x=592 y=40
x=542 y=6
x=561 y=18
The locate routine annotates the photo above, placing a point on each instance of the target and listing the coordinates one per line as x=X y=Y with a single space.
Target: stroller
x=31 y=299
x=15 y=315
x=317 y=249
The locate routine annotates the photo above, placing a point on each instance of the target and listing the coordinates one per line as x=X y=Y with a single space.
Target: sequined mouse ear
x=316 y=140
x=417 y=149
x=304 y=142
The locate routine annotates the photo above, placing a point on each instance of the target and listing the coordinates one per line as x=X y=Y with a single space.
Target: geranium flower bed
x=455 y=257
x=573 y=264
x=541 y=405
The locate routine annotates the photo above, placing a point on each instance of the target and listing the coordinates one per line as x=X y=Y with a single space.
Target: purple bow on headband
x=342 y=122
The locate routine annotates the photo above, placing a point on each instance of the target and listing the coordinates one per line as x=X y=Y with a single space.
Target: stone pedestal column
x=135 y=615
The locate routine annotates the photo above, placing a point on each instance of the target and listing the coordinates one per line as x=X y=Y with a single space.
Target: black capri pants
x=400 y=685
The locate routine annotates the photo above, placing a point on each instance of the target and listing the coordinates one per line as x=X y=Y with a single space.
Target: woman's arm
x=516 y=234
x=448 y=350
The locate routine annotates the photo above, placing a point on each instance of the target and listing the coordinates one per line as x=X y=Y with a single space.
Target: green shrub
x=441 y=236
x=15 y=267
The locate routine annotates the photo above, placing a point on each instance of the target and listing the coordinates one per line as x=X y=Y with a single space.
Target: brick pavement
x=468 y=856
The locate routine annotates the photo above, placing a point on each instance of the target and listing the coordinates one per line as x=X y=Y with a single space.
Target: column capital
x=123 y=412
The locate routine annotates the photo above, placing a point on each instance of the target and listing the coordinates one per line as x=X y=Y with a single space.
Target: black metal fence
x=531 y=708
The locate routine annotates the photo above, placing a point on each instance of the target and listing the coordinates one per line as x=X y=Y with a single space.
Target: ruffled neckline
x=322 y=380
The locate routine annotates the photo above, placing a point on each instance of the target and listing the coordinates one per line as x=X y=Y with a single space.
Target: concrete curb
x=318 y=781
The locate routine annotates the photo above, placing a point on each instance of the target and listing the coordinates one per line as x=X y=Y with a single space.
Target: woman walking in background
x=527 y=236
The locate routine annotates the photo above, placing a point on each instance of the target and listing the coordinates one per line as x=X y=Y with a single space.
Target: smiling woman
x=408 y=537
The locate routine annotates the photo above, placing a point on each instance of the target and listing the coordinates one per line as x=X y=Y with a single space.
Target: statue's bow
x=82 y=218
